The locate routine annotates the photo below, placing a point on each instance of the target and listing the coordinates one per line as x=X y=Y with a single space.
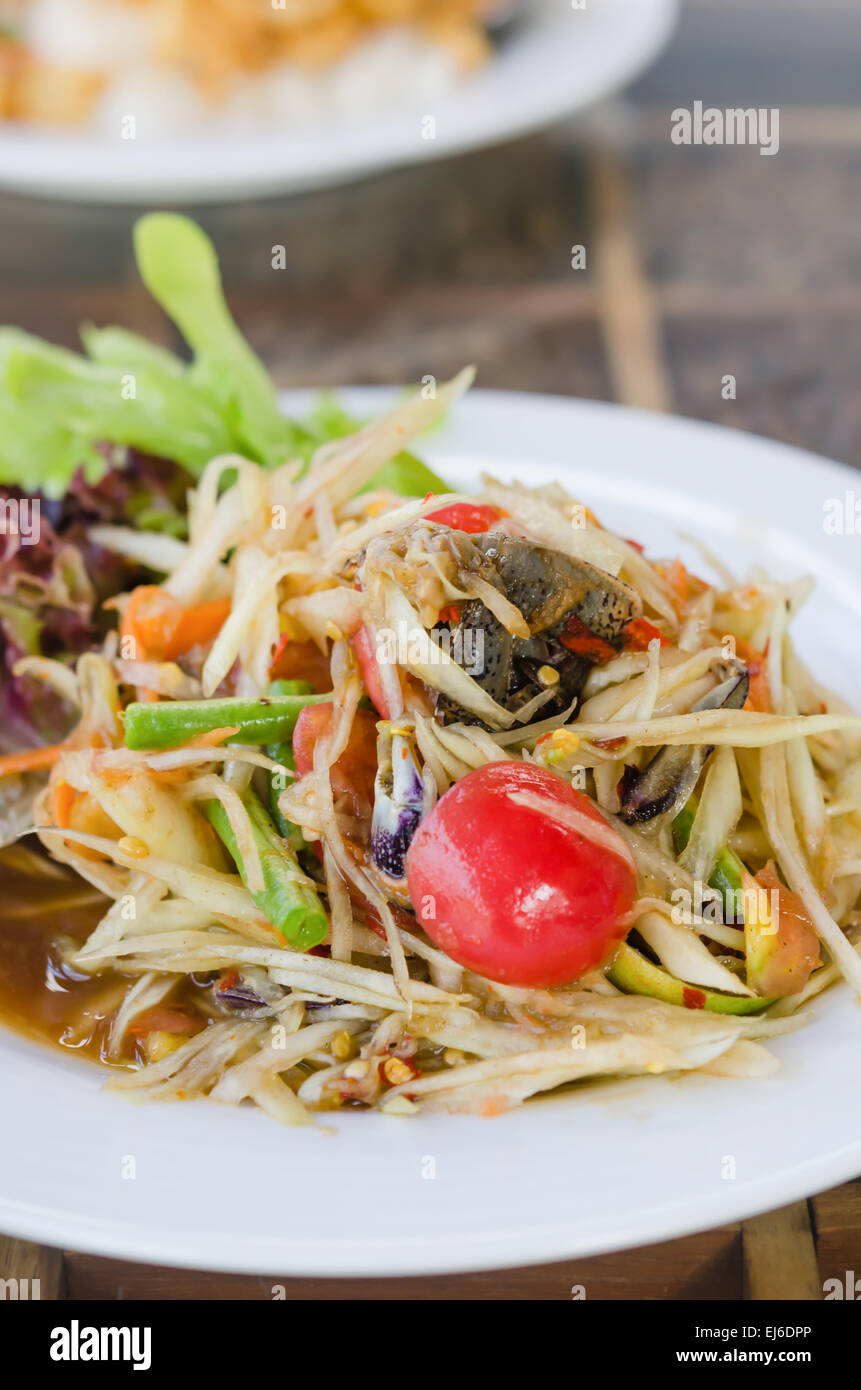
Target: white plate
x=610 y=1167
x=555 y=61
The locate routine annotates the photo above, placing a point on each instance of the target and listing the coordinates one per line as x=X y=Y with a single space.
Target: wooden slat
x=628 y=311
x=701 y=1266
x=837 y=1221
x=780 y=1256
x=38 y=1269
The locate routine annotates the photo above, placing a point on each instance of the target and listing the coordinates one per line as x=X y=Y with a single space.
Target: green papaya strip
x=633 y=973
x=726 y=875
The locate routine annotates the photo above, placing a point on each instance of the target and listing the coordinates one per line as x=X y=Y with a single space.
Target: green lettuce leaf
x=56 y=406
x=179 y=267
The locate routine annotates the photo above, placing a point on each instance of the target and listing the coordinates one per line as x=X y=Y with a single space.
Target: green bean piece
x=170 y=723
x=293 y=908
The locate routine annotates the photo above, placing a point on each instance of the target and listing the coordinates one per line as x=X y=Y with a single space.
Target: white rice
x=85 y=33
x=393 y=68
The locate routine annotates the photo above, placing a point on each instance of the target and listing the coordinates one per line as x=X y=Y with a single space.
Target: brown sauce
x=40 y=996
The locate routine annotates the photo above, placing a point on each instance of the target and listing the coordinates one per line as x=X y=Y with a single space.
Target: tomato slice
x=512 y=894
x=167 y=1018
x=363 y=645
x=472 y=517
x=354 y=772
x=301 y=661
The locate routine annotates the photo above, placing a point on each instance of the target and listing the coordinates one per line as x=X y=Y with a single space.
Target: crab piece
x=551 y=590
x=400 y=799
x=549 y=587
x=668 y=779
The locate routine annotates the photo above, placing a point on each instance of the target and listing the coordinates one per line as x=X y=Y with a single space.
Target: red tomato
x=472 y=517
x=363 y=645
x=167 y=1018
x=510 y=893
x=353 y=774
x=301 y=661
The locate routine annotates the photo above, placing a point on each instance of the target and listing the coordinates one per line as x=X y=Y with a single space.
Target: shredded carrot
x=682 y=583
x=759 y=693
x=62 y=800
x=163 y=630
x=198 y=625
x=212 y=738
x=32 y=759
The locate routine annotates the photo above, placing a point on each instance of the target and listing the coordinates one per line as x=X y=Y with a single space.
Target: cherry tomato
x=353 y=774
x=473 y=517
x=512 y=894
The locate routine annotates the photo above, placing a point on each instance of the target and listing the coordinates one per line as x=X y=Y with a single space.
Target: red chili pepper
x=279 y=651
x=579 y=640
x=449 y=614
x=635 y=545
x=693 y=998
x=639 y=632
x=472 y=517
x=611 y=744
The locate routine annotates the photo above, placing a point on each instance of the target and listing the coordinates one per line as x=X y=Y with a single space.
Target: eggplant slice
x=668 y=779
x=550 y=589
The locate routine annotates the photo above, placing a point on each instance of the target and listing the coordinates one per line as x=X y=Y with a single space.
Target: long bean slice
x=168 y=723
x=289 y=903
x=282 y=752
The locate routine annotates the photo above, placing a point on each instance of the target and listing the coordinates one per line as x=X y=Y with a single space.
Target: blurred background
x=698 y=263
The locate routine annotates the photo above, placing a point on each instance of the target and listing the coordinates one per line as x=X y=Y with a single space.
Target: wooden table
x=700 y=263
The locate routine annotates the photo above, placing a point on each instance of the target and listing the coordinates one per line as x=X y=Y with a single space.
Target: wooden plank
x=35 y=1271
x=628 y=312
x=780 y=1256
x=837 y=1220
x=701 y=1266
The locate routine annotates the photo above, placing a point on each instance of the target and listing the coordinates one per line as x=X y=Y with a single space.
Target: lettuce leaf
x=178 y=265
x=59 y=409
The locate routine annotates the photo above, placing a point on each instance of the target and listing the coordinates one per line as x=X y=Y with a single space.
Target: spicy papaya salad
x=393 y=796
